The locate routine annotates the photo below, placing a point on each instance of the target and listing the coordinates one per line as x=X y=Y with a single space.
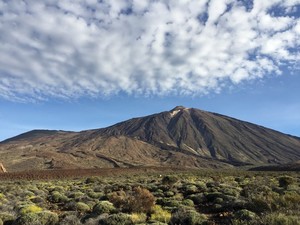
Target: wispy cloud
x=72 y=48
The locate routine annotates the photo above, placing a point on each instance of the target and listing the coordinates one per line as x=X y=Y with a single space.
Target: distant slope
x=295 y=166
x=33 y=135
x=183 y=137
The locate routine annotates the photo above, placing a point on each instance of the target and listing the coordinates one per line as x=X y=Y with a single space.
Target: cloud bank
x=67 y=49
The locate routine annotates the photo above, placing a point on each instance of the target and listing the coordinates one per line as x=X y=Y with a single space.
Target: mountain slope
x=185 y=137
x=210 y=135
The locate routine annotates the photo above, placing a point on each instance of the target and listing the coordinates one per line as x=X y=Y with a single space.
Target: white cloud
x=74 y=48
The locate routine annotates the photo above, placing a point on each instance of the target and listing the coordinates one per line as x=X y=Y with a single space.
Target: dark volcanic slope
x=181 y=137
x=212 y=135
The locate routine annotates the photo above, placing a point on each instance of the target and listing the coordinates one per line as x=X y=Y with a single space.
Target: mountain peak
x=180 y=107
x=177 y=109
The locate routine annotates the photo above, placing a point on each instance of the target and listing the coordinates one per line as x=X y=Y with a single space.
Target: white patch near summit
x=173 y=113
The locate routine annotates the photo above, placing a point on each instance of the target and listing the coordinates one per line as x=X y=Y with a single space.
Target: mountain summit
x=179 y=137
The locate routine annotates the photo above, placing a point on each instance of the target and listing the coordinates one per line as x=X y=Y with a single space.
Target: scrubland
x=174 y=198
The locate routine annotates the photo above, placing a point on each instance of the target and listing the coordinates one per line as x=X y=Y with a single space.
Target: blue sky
x=79 y=65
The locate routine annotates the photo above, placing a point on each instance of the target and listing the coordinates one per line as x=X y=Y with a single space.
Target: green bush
x=76 y=195
x=197 y=198
x=91 y=180
x=103 y=207
x=244 y=214
x=70 y=220
x=138 y=218
x=188 y=202
x=23 y=209
x=38 y=218
x=211 y=197
x=57 y=197
x=6 y=217
x=170 y=180
x=190 y=189
x=161 y=215
x=95 y=195
x=116 y=219
x=187 y=217
x=82 y=207
x=285 y=181
x=258 y=206
x=281 y=219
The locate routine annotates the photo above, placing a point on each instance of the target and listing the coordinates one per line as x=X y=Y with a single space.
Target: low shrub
x=285 y=181
x=57 y=197
x=29 y=209
x=244 y=214
x=137 y=200
x=82 y=207
x=116 y=219
x=103 y=207
x=188 y=202
x=170 y=180
x=211 y=197
x=161 y=215
x=258 y=206
x=38 y=218
x=95 y=195
x=281 y=219
x=190 y=189
x=76 y=195
x=138 y=218
x=6 y=217
x=187 y=217
x=91 y=180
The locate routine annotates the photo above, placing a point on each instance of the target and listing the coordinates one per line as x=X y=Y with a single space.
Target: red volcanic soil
x=76 y=173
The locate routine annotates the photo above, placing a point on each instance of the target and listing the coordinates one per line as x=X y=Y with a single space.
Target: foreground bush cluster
x=174 y=199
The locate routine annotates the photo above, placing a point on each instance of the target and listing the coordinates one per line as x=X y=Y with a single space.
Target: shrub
x=103 y=207
x=70 y=220
x=285 y=181
x=37 y=200
x=116 y=219
x=169 y=193
x=118 y=198
x=138 y=200
x=76 y=195
x=38 y=218
x=258 y=206
x=82 y=207
x=188 y=202
x=170 y=180
x=30 y=209
x=281 y=219
x=161 y=215
x=190 y=189
x=91 y=180
x=187 y=217
x=211 y=197
x=138 y=218
x=95 y=195
x=244 y=214
x=5 y=217
x=57 y=197
x=197 y=198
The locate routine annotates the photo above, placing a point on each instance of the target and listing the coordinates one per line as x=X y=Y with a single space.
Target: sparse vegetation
x=193 y=197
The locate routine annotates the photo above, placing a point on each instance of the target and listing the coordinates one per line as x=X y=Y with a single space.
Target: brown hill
x=184 y=137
